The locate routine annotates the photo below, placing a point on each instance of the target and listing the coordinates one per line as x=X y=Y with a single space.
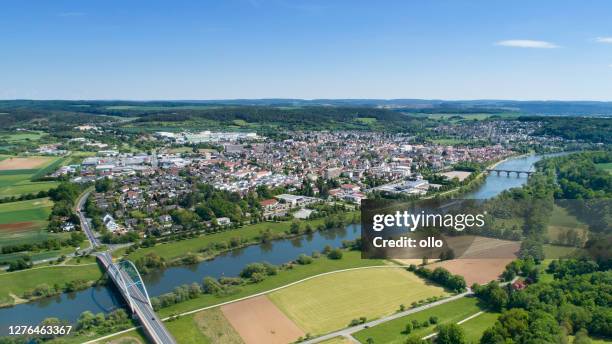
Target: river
x=103 y=299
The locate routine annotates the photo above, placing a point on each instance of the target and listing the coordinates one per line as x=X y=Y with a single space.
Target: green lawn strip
x=318 y=266
x=209 y=326
x=38 y=255
x=24 y=205
x=185 y=330
x=393 y=331
x=26 y=187
x=24 y=211
x=31 y=236
x=336 y=340
x=178 y=249
x=545 y=277
x=135 y=336
x=19 y=282
x=474 y=328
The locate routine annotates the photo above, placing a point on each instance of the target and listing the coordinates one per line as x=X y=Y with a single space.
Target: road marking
x=459 y=323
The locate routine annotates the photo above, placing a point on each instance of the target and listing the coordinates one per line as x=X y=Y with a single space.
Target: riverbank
x=477 y=180
x=47 y=281
x=29 y=285
x=209 y=246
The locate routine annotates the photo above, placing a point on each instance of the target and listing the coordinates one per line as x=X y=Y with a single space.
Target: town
x=308 y=168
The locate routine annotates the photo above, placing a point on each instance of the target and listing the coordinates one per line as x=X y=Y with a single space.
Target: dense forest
x=392 y=115
x=575 y=302
x=590 y=129
x=61 y=114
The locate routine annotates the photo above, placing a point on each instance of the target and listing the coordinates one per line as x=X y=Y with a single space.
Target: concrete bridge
x=509 y=172
x=129 y=283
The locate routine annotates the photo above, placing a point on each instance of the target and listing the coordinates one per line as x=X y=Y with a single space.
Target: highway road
x=84 y=224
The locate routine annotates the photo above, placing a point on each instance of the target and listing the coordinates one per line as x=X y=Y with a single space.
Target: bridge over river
x=129 y=283
x=509 y=172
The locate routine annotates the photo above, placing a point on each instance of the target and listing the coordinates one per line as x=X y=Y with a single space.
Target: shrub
x=335 y=254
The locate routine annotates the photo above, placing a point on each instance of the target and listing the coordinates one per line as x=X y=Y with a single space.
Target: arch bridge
x=126 y=277
x=509 y=172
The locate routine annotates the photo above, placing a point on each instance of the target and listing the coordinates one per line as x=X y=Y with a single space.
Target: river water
x=103 y=299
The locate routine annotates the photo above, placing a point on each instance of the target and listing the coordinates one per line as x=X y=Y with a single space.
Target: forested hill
x=66 y=113
x=271 y=114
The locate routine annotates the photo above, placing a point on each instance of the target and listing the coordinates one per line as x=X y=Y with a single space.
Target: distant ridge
x=531 y=107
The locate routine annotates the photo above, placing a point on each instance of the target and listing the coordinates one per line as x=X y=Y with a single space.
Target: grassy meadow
x=17 y=182
x=320 y=265
x=392 y=332
x=24 y=221
x=561 y=221
x=207 y=327
x=18 y=282
x=605 y=167
x=23 y=136
x=330 y=302
x=474 y=328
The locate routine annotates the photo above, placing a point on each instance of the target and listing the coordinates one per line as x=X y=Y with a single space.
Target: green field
x=173 y=250
x=561 y=221
x=131 y=337
x=186 y=330
x=392 y=332
x=24 y=221
x=39 y=255
x=606 y=166
x=556 y=251
x=17 y=137
x=209 y=326
x=18 y=282
x=474 y=328
x=330 y=302
x=206 y=327
x=298 y=272
x=18 y=182
x=366 y=120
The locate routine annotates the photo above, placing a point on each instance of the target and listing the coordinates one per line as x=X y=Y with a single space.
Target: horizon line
x=300 y=99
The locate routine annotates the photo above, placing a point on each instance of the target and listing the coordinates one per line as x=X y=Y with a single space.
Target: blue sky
x=223 y=49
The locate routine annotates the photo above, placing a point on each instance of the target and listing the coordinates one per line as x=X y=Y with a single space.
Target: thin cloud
x=527 y=43
x=604 y=40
